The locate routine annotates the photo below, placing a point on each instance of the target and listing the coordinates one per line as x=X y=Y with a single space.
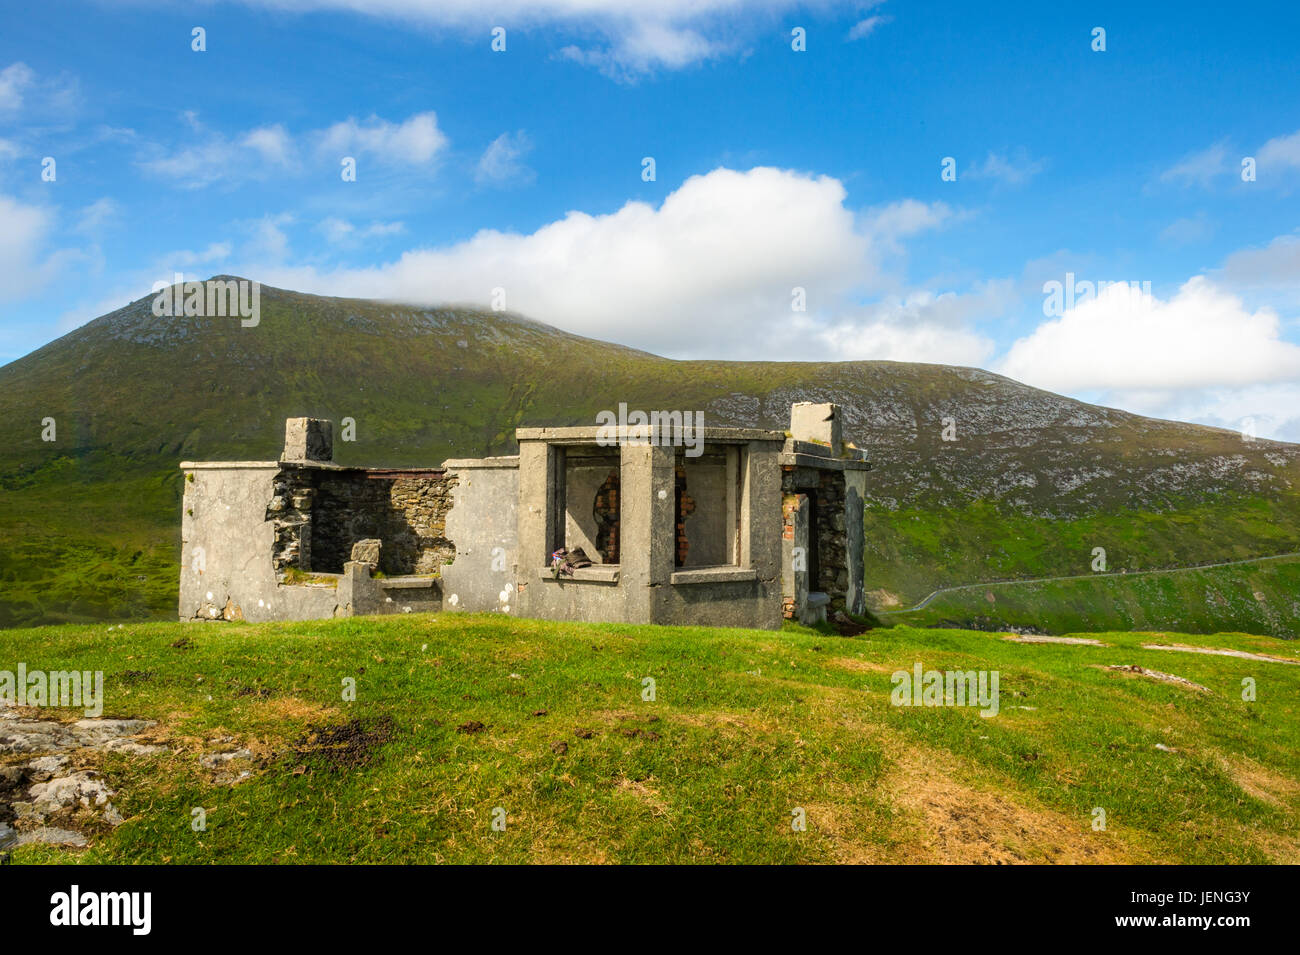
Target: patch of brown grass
x=861 y=666
x=947 y=820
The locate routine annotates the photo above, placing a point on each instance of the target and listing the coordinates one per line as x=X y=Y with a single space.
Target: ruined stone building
x=749 y=528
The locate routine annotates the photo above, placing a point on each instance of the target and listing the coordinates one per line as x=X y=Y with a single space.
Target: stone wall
x=319 y=513
x=832 y=545
x=827 y=487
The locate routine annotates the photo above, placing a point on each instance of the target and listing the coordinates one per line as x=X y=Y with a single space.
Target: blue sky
x=775 y=169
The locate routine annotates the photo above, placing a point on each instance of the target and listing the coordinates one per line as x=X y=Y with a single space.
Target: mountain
x=1032 y=483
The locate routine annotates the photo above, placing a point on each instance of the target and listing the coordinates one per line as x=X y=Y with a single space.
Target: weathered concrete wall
x=748 y=595
x=702 y=541
x=817 y=422
x=484 y=524
x=359 y=594
x=227 y=545
x=594 y=595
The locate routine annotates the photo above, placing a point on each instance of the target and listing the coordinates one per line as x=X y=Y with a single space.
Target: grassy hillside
x=1261 y=597
x=458 y=715
x=1033 y=481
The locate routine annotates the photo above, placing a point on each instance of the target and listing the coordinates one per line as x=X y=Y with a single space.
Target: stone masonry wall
x=320 y=513
x=832 y=545
x=832 y=541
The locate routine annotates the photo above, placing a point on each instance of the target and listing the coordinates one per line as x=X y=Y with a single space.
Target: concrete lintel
x=406 y=583
x=713 y=575
x=795 y=446
x=467 y=464
x=595 y=574
x=226 y=465
x=589 y=434
x=817 y=461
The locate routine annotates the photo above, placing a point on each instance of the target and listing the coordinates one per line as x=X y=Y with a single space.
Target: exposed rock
x=52 y=836
x=81 y=789
x=213 y=760
x=1157 y=675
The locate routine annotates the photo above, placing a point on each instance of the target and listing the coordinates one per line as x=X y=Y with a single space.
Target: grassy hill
x=1032 y=483
x=1257 y=597
x=456 y=716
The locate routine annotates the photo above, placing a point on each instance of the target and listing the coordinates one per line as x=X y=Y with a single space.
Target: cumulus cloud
x=417 y=140
x=502 y=162
x=1201 y=337
x=272 y=143
x=1202 y=355
x=712 y=271
x=1275 y=266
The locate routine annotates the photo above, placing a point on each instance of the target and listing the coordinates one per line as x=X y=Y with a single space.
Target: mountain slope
x=1032 y=483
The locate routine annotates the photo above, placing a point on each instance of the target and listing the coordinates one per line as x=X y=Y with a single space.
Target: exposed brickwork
x=685 y=508
x=605 y=509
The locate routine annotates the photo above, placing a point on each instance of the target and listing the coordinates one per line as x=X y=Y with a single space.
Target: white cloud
x=1200 y=168
x=1279 y=153
x=1270 y=410
x=864 y=28
x=502 y=162
x=917 y=326
x=886 y=225
x=269 y=243
x=1202 y=337
x=621 y=38
x=36 y=97
x=417 y=140
x=272 y=143
x=15 y=80
x=1275 y=266
x=98 y=214
x=710 y=272
x=1011 y=171
x=216 y=158
x=341 y=232
x=254 y=154
x=25 y=268
x=182 y=259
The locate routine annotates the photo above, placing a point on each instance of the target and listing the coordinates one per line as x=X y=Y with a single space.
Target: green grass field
x=1262 y=597
x=745 y=728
